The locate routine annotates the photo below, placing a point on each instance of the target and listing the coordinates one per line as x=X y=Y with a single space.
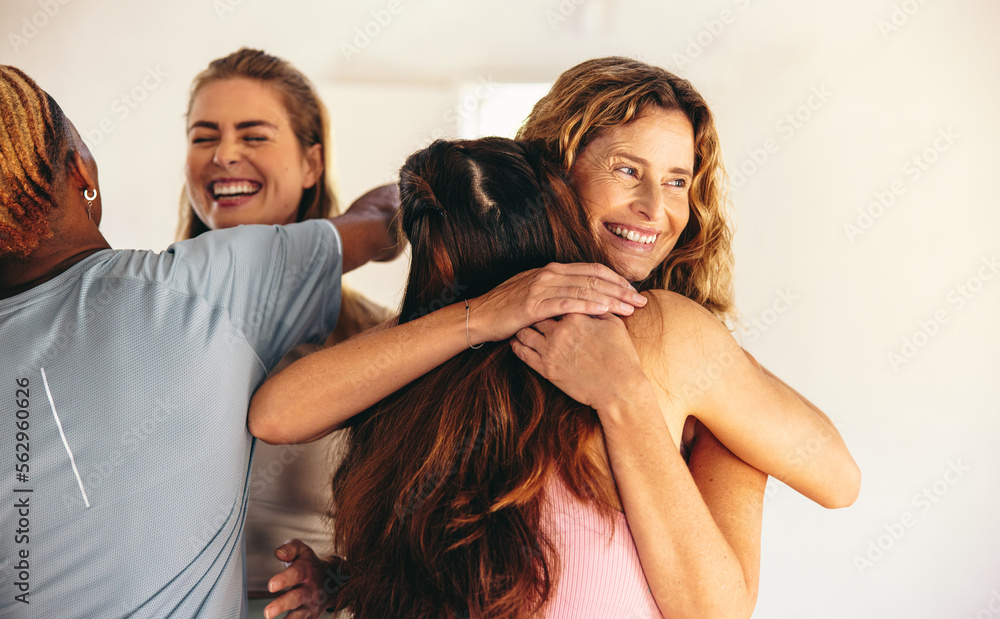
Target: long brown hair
x=34 y=148
x=601 y=93
x=306 y=113
x=439 y=501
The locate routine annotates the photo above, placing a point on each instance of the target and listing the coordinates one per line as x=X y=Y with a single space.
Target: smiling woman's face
x=244 y=163
x=633 y=180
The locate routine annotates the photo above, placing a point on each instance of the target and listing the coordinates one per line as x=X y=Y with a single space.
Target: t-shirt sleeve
x=278 y=285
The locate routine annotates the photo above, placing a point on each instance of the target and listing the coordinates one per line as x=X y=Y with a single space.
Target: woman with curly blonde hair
x=639 y=147
x=598 y=95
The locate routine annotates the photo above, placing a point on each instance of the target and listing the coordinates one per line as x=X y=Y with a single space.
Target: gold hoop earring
x=90 y=201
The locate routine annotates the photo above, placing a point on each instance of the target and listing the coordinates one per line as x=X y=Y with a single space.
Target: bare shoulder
x=674 y=317
x=676 y=338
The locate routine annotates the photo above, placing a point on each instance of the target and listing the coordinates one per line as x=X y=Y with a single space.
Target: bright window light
x=489 y=108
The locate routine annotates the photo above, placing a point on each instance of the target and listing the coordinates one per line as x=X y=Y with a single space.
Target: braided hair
x=34 y=146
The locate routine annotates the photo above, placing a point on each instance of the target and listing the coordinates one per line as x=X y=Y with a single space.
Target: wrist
x=632 y=400
x=475 y=332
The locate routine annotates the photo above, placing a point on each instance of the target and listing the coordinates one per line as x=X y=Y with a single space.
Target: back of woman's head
x=306 y=113
x=34 y=149
x=598 y=94
x=438 y=504
x=478 y=212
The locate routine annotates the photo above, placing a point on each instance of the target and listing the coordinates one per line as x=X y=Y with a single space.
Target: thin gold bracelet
x=468 y=338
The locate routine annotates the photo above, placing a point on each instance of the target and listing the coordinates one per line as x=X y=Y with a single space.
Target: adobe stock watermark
x=771 y=488
x=224 y=7
x=928 y=496
x=704 y=38
x=222 y=513
x=787 y=126
x=96 y=472
x=414 y=497
x=473 y=94
x=393 y=351
x=900 y=14
x=261 y=479
x=956 y=299
x=914 y=168
x=32 y=24
x=715 y=369
x=782 y=302
x=123 y=105
x=371 y=29
x=563 y=12
x=990 y=609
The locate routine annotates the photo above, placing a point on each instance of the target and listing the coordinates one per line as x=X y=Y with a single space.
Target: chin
x=633 y=273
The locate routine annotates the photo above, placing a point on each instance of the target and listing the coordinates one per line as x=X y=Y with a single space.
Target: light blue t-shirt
x=149 y=361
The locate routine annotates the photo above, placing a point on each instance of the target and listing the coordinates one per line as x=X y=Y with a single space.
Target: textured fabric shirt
x=600 y=574
x=133 y=372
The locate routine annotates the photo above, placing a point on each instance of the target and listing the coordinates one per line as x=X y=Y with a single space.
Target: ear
x=314 y=165
x=78 y=173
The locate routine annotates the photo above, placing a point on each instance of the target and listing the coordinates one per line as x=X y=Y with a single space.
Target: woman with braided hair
x=44 y=165
x=130 y=374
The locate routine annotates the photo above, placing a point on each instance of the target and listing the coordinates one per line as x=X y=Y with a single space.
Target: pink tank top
x=601 y=576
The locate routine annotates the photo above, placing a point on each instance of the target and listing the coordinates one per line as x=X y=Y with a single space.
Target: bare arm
x=318 y=393
x=734 y=493
x=758 y=417
x=368 y=228
x=696 y=566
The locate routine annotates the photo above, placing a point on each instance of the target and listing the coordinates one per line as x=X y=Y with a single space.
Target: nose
x=227 y=153
x=651 y=203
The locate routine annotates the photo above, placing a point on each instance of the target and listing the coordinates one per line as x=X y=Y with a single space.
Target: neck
x=18 y=275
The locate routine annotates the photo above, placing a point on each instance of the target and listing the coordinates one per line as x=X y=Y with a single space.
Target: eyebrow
x=246 y=124
x=643 y=162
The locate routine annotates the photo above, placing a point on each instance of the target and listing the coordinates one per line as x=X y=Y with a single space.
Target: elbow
x=264 y=431
x=847 y=490
x=266 y=427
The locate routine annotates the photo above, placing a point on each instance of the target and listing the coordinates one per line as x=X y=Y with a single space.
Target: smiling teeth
x=233 y=188
x=632 y=235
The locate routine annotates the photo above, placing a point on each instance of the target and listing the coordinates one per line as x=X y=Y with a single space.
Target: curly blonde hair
x=607 y=92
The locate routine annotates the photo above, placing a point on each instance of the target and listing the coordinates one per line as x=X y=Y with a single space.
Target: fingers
x=530 y=357
x=591 y=269
x=296 y=603
x=532 y=336
x=304 y=599
x=290 y=550
x=296 y=573
x=580 y=290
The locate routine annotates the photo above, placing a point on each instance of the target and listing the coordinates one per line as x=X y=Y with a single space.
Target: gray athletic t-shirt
x=124 y=386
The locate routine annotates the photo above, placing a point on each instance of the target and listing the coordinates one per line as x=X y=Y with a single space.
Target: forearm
x=318 y=393
x=786 y=435
x=368 y=229
x=691 y=568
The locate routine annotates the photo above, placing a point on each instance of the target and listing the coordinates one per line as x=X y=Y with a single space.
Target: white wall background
x=887 y=78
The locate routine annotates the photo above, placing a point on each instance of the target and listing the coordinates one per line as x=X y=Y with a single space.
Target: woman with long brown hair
x=454 y=526
x=645 y=161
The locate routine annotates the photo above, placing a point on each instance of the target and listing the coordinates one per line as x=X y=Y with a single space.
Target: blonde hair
x=306 y=112
x=598 y=94
x=34 y=148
